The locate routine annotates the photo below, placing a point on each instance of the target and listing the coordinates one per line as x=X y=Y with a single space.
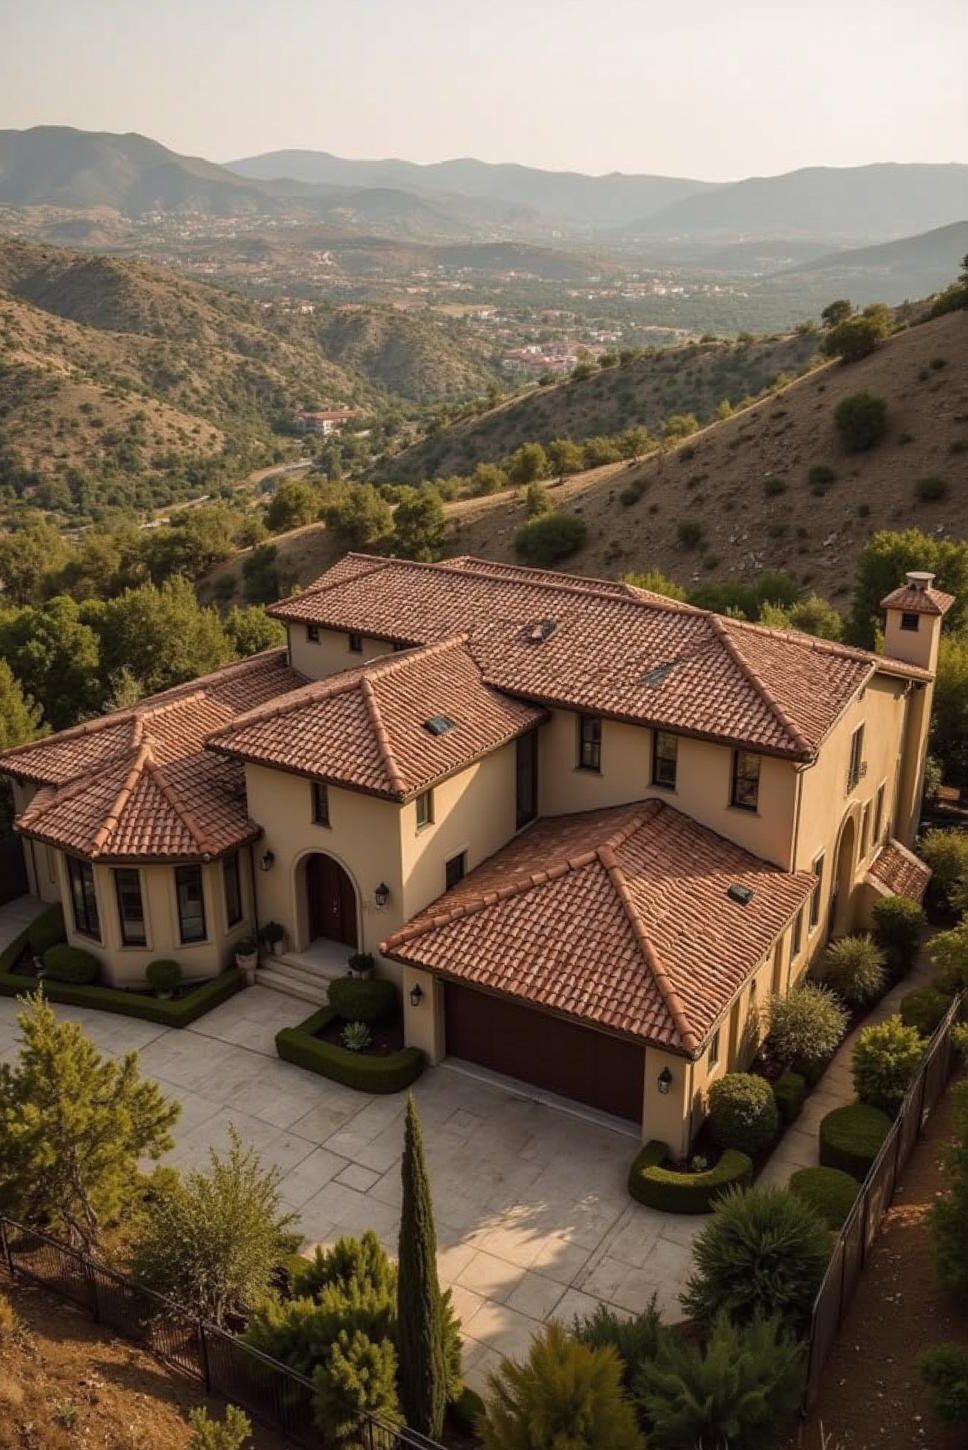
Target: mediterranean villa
x=587 y=829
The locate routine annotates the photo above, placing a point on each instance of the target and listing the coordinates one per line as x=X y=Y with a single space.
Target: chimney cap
x=919 y=579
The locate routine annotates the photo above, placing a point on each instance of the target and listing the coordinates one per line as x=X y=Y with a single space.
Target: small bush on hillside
x=821 y=474
x=359 y=1000
x=861 y=420
x=537 y=501
x=634 y=1340
x=690 y=533
x=855 y=968
x=547 y=539
x=774 y=486
x=854 y=338
x=804 y=1025
x=899 y=926
x=764 y=1251
x=211 y=1434
x=945 y=1368
x=741 y=1389
x=886 y=1056
x=563 y=1393
x=742 y=1112
x=931 y=490
x=679 y=425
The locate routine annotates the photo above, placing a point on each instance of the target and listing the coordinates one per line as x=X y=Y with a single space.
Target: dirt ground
x=873 y=1397
x=66 y=1384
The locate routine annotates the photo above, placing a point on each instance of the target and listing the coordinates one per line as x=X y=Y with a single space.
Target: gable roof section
x=367 y=728
x=626 y=925
x=776 y=691
x=896 y=871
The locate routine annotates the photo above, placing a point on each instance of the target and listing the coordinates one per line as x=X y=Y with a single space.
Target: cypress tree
x=419 y=1317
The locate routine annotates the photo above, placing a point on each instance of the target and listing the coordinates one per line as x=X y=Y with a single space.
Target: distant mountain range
x=892 y=272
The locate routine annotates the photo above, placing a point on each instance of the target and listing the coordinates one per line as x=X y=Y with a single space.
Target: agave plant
x=356 y=1036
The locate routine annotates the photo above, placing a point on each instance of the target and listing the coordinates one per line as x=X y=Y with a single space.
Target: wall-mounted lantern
x=665 y=1081
x=382 y=894
x=416 y=995
x=267 y=860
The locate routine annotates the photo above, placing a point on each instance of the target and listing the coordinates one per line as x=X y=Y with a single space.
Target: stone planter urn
x=361 y=966
x=247 y=958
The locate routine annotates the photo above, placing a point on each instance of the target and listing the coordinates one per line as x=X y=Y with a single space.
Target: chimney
x=919 y=579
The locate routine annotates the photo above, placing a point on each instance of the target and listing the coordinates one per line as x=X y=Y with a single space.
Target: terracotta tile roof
x=139 y=784
x=604 y=647
x=368 y=727
x=918 y=601
x=625 y=924
x=896 y=871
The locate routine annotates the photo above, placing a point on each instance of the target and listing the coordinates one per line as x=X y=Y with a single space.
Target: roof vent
x=439 y=724
x=541 y=630
x=919 y=579
x=741 y=894
x=656 y=675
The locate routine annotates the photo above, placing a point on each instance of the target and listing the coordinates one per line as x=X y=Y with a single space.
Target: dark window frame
x=817 y=891
x=459 y=862
x=910 y=622
x=312 y=634
x=319 y=803
x=87 y=916
x=129 y=937
x=182 y=876
x=796 y=941
x=425 y=809
x=590 y=743
x=878 y=815
x=663 y=759
x=525 y=779
x=856 y=758
x=354 y=643
x=712 y=1056
x=739 y=778
x=234 y=906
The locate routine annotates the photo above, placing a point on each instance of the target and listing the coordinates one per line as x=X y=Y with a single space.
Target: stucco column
x=423 y=1020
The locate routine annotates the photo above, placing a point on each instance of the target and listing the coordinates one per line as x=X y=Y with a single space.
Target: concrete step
x=315 y=965
x=282 y=979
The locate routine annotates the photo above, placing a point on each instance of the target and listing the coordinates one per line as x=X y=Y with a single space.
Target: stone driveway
x=533 y=1216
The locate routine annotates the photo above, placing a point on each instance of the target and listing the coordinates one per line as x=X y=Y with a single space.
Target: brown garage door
x=577 y=1062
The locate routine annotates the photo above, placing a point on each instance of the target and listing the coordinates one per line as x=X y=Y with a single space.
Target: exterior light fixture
x=416 y=995
x=382 y=894
x=665 y=1081
x=267 y=860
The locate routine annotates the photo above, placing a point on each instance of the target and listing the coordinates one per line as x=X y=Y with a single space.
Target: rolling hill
x=890 y=272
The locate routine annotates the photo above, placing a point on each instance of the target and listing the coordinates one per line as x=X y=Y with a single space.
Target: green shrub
x=949 y=955
x=690 y=533
x=741 y=1389
x=388 y=1074
x=232 y=1433
x=861 y=420
x=855 y=337
x=180 y=1013
x=924 y=1009
x=467 y=1410
x=855 y=968
x=949 y=1214
x=163 y=974
x=945 y=1368
x=673 y=1192
x=806 y=1025
x=46 y=930
x=851 y=1138
x=355 y=1000
x=563 y=1394
x=634 y=1340
x=63 y=963
x=764 y=1251
x=932 y=489
x=885 y=1058
x=898 y=928
x=946 y=852
x=830 y=1191
x=550 y=537
x=789 y=1092
x=356 y=1381
x=821 y=474
x=742 y=1112
x=772 y=487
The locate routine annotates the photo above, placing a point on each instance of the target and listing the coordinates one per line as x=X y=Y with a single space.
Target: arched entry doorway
x=330 y=901
x=841 y=896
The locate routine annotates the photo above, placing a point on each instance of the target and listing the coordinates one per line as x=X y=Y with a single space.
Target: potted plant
x=272 y=935
x=247 y=958
x=163 y=976
x=361 y=965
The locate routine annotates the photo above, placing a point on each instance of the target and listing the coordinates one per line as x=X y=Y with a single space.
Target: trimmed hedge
x=71 y=964
x=356 y=1000
x=924 y=1009
x=388 y=1074
x=790 y=1091
x=830 y=1191
x=664 y=1188
x=170 y=1013
x=742 y=1112
x=45 y=931
x=851 y=1138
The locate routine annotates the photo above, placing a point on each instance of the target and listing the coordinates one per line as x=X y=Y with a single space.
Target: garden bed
x=315 y=1045
x=386 y=1038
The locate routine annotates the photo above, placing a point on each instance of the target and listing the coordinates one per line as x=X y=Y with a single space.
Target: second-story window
x=746 y=780
x=455 y=870
x=84 y=897
x=425 y=809
x=665 y=754
x=354 y=643
x=865 y=830
x=589 y=742
x=713 y=1059
x=878 y=813
x=797 y=939
x=856 y=752
x=777 y=967
x=320 y=803
x=815 y=894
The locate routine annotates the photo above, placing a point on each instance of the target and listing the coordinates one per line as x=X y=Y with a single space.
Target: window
x=714 y=1050
x=455 y=870
x=910 y=622
x=865 y=830
x=854 y=770
x=84 y=897
x=746 y=780
x=589 y=742
x=131 y=912
x=665 y=749
x=878 y=813
x=797 y=940
x=191 y=903
x=425 y=809
x=815 y=895
x=232 y=878
x=355 y=644
x=312 y=633
x=320 y=803
x=526 y=779
x=777 y=966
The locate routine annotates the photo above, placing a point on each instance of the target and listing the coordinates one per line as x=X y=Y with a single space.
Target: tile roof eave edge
x=145 y=858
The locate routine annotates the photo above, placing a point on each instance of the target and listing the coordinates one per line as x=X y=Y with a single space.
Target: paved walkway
x=533 y=1215
x=800 y=1145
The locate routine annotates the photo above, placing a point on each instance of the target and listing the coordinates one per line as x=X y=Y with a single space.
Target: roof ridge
x=391 y=663
x=311 y=690
x=112 y=817
x=667 y=989
x=393 y=770
x=719 y=624
x=174 y=800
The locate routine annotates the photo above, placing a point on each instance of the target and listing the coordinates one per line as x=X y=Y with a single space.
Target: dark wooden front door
x=332 y=901
x=575 y=1062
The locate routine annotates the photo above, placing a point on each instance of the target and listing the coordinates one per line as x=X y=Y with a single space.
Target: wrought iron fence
x=223 y=1363
x=858 y=1233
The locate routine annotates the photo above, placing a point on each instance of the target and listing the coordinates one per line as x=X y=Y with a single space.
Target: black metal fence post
x=203 y=1356
x=5 y=1245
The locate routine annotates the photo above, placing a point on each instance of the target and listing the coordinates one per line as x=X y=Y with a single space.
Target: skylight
x=741 y=894
x=658 y=673
x=439 y=724
x=541 y=630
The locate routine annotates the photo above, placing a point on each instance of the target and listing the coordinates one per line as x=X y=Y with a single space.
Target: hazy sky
x=683 y=87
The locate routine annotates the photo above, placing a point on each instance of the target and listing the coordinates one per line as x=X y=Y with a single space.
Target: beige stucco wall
x=124 y=965
x=41 y=862
x=331 y=654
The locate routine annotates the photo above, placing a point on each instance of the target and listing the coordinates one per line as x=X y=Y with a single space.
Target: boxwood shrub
x=658 y=1187
x=789 y=1092
x=742 y=1112
x=851 y=1138
x=163 y=974
x=387 y=1074
x=70 y=964
x=355 y=1000
x=45 y=931
x=924 y=1009
x=830 y=1191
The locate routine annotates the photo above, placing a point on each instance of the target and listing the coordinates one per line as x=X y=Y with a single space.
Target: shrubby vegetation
x=886 y=1056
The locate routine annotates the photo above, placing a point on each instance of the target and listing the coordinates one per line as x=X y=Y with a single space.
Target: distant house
x=324 y=423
